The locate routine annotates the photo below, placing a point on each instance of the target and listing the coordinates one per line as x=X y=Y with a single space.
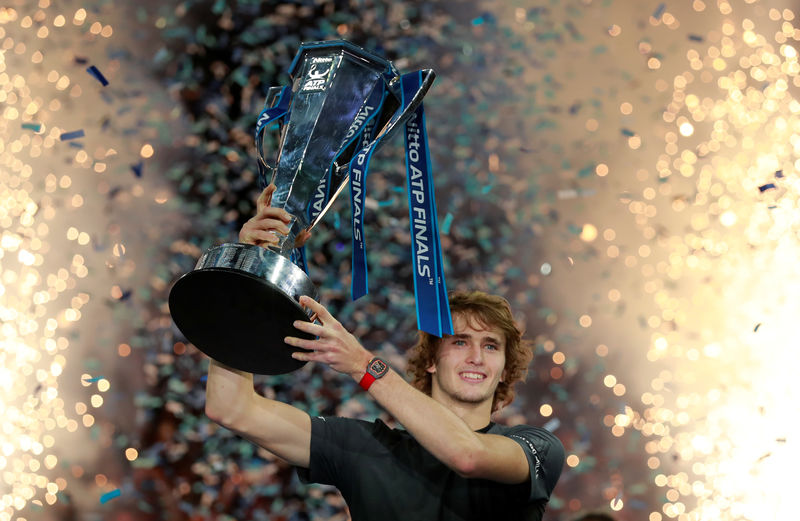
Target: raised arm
x=280 y=428
x=231 y=400
x=437 y=428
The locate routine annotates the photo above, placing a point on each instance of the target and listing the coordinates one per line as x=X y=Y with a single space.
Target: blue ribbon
x=359 y=168
x=267 y=116
x=360 y=132
x=433 y=309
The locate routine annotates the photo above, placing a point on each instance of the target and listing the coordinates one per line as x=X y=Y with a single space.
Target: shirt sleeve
x=335 y=444
x=545 y=455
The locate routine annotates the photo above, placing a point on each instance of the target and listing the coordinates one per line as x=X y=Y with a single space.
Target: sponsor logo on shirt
x=537 y=468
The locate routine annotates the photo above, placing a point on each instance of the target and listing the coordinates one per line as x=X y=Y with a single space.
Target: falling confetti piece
x=659 y=11
x=764 y=188
x=757 y=326
x=75 y=134
x=448 y=221
x=94 y=71
x=108 y=496
x=137 y=168
x=93 y=379
x=36 y=127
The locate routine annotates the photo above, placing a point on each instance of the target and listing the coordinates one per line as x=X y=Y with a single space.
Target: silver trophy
x=239 y=302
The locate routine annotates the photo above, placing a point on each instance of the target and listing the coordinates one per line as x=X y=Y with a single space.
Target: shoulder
x=543 y=449
x=536 y=439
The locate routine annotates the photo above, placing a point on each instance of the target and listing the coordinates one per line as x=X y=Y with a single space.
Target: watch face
x=378 y=367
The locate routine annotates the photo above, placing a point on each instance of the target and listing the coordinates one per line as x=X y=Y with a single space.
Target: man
x=451 y=462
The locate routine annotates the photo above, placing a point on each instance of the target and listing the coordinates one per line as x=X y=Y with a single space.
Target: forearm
x=433 y=425
x=229 y=392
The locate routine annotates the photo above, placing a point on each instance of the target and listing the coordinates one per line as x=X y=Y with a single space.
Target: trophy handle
x=267 y=168
x=389 y=129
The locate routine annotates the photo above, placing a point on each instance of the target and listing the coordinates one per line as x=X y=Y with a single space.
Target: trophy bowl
x=239 y=304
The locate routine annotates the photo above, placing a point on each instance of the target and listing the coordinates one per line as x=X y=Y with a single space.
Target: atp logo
x=317 y=75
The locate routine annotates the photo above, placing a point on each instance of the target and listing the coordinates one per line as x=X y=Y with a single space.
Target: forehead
x=469 y=324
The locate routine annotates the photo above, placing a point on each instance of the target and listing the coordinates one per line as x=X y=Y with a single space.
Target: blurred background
x=624 y=172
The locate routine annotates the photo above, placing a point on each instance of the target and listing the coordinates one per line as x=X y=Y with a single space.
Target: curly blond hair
x=488 y=311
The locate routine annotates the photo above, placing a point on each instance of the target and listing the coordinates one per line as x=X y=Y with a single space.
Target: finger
x=317 y=308
x=273 y=225
x=309 y=327
x=265 y=197
x=303 y=356
x=301 y=238
x=311 y=345
x=273 y=212
x=254 y=236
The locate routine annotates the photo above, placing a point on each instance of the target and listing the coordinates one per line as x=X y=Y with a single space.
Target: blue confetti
x=94 y=71
x=695 y=38
x=36 y=127
x=75 y=134
x=137 y=168
x=764 y=188
x=757 y=326
x=81 y=61
x=204 y=378
x=448 y=221
x=629 y=133
x=552 y=424
x=93 y=379
x=108 y=496
x=587 y=170
x=779 y=174
x=659 y=11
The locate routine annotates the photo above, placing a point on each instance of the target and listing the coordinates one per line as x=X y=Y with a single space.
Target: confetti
x=108 y=496
x=137 y=168
x=95 y=72
x=75 y=134
x=36 y=127
x=769 y=186
x=448 y=221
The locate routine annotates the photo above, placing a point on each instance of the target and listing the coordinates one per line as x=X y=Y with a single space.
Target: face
x=469 y=364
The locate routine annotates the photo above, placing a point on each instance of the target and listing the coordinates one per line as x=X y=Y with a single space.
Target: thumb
x=265 y=198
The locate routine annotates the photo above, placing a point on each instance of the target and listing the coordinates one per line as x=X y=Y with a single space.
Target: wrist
x=375 y=370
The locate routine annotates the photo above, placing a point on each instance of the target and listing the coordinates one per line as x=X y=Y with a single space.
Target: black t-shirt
x=385 y=474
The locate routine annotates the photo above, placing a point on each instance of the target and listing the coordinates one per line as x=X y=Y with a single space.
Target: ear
x=432 y=368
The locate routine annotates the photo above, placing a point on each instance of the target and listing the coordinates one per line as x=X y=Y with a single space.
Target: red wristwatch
x=376 y=368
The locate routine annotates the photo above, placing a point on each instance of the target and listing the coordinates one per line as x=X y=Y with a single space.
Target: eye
x=459 y=342
x=492 y=347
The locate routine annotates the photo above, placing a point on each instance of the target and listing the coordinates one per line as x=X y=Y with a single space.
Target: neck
x=475 y=415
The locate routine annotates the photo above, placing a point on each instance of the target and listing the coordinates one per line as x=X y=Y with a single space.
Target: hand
x=335 y=346
x=264 y=227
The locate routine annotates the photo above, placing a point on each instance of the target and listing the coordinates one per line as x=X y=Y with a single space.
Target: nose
x=475 y=354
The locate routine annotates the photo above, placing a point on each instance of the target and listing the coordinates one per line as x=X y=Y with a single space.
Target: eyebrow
x=491 y=339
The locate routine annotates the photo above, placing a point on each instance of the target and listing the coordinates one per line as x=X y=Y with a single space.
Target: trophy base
x=239 y=304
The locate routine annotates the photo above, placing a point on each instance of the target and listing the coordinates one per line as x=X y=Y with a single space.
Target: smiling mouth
x=472 y=377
